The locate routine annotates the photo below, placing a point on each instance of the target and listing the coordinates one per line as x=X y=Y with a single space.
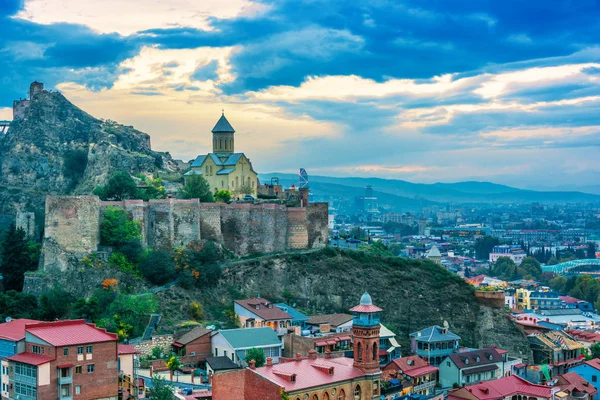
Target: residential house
x=389 y=348
x=193 y=346
x=569 y=318
x=590 y=371
x=508 y=387
x=470 y=367
x=587 y=338
x=557 y=349
x=314 y=378
x=12 y=341
x=65 y=359
x=434 y=343
x=298 y=318
x=422 y=376
x=572 y=302
x=221 y=363
x=327 y=323
x=434 y=255
x=259 y=312
x=514 y=252
x=234 y=343
x=126 y=364
x=573 y=387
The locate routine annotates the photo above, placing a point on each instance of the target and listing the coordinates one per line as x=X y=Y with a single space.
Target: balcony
x=424 y=386
x=434 y=353
x=65 y=381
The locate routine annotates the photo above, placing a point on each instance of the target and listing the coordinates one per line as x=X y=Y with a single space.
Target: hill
x=53 y=147
x=460 y=192
x=413 y=294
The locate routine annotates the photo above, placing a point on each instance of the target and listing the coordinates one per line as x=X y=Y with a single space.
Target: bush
x=257 y=355
x=119 y=261
x=121 y=186
x=158 y=267
x=118 y=228
x=55 y=304
x=223 y=196
x=196 y=310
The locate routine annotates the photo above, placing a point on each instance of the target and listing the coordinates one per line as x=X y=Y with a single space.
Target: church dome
x=366 y=300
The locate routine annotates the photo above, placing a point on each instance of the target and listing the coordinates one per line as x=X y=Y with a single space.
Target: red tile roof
x=126 y=349
x=569 y=299
x=70 y=332
x=15 y=329
x=573 y=382
x=500 y=388
x=412 y=366
x=469 y=359
x=309 y=373
x=30 y=358
x=366 y=309
x=264 y=309
x=594 y=363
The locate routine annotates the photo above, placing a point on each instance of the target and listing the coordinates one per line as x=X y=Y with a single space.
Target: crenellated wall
x=72 y=226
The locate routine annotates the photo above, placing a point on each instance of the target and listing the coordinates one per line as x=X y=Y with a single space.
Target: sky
x=421 y=90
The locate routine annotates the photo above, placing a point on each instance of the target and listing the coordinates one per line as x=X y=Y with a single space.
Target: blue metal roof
x=223 y=126
x=198 y=161
x=434 y=334
x=233 y=159
x=225 y=171
x=215 y=159
x=246 y=338
x=296 y=315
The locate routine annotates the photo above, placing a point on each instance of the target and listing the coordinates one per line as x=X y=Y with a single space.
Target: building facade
x=434 y=343
x=467 y=368
x=65 y=360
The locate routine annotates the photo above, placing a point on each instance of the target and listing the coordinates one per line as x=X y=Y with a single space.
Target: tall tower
x=365 y=328
x=223 y=142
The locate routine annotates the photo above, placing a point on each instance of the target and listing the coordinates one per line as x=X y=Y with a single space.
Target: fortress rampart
x=72 y=226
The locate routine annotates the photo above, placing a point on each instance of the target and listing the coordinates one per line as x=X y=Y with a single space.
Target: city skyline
x=420 y=91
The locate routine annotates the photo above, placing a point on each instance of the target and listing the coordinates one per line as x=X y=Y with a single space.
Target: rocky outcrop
x=53 y=147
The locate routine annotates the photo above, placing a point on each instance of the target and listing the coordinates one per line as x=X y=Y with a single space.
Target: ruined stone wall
x=297 y=230
x=19 y=107
x=317 y=215
x=72 y=228
x=186 y=222
x=210 y=221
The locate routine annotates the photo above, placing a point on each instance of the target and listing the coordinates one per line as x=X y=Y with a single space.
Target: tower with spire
x=365 y=328
x=223 y=168
x=223 y=139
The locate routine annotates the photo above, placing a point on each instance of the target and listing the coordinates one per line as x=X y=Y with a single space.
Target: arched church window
x=359 y=351
x=375 y=355
x=357 y=393
x=341 y=395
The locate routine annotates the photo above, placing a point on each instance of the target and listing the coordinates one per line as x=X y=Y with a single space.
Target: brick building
x=194 y=343
x=65 y=360
x=259 y=312
x=421 y=376
x=314 y=378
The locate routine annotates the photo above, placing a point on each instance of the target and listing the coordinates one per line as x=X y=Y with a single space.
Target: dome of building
x=366 y=300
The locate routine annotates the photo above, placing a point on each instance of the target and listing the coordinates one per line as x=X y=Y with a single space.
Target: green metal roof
x=247 y=338
x=223 y=125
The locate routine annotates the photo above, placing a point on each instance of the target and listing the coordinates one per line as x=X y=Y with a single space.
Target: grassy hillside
x=413 y=294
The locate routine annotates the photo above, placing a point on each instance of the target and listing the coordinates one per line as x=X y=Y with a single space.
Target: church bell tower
x=223 y=141
x=365 y=328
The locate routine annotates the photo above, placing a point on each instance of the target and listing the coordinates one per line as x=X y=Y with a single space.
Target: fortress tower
x=365 y=328
x=223 y=140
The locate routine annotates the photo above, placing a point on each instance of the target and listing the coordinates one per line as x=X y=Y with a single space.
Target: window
x=66 y=351
x=89 y=349
x=90 y=368
x=80 y=350
x=341 y=395
x=225 y=353
x=357 y=393
x=375 y=353
x=37 y=350
x=359 y=356
x=78 y=369
x=594 y=378
x=447 y=363
x=77 y=389
x=25 y=390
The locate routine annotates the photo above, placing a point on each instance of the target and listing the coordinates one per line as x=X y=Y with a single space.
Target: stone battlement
x=72 y=226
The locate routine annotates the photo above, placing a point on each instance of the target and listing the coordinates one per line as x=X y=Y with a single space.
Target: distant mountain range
x=415 y=195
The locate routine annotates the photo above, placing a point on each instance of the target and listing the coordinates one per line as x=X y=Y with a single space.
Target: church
x=224 y=169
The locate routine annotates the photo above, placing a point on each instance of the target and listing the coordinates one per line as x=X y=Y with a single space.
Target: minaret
x=223 y=142
x=365 y=328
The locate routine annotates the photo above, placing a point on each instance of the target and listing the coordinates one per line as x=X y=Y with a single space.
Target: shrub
x=158 y=267
x=109 y=283
x=196 y=310
x=118 y=228
x=257 y=355
x=119 y=261
x=121 y=186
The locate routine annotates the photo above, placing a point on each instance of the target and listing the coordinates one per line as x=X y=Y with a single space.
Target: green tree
x=595 y=350
x=257 y=355
x=196 y=187
x=18 y=305
x=158 y=267
x=243 y=190
x=118 y=228
x=161 y=390
x=86 y=309
x=484 y=245
x=558 y=284
x=223 y=196
x=531 y=268
x=55 y=304
x=203 y=259
x=287 y=295
x=129 y=314
x=121 y=186
x=505 y=268
x=174 y=363
x=19 y=255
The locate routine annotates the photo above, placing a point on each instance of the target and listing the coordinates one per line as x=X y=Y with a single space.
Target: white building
x=234 y=343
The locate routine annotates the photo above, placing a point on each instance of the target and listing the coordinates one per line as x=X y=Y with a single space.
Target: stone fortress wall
x=72 y=226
